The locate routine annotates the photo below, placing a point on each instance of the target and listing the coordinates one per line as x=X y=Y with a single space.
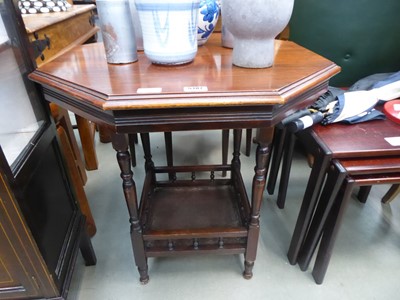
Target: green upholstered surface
x=361 y=36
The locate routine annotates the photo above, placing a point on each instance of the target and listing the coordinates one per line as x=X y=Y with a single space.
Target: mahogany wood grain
x=332 y=206
x=61 y=118
x=359 y=140
x=363 y=141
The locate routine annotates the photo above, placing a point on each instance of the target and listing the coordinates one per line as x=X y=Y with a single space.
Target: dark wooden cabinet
x=41 y=225
x=23 y=271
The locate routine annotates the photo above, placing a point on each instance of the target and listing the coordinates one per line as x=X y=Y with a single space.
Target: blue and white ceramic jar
x=169 y=30
x=209 y=12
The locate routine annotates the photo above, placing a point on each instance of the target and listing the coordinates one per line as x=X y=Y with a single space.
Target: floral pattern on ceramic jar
x=209 y=12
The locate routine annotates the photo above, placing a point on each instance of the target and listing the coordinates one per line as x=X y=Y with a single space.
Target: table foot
x=248 y=270
x=144 y=279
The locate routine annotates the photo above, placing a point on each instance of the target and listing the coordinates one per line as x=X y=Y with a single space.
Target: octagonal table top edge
x=83 y=75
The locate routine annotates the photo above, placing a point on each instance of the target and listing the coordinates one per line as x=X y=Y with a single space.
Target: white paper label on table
x=195 y=89
x=149 y=90
x=394 y=140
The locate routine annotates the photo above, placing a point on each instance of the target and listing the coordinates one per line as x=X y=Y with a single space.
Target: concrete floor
x=365 y=262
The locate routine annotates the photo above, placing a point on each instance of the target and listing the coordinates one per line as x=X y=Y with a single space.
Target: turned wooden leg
x=237 y=140
x=148 y=162
x=259 y=179
x=169 y=153
x=225 y=147
x=120 y=144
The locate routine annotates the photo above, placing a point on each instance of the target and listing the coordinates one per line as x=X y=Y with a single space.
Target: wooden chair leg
x=391 y=193
x=104 y=133
x=86 y=131
x=61 y=118
x=76 y=182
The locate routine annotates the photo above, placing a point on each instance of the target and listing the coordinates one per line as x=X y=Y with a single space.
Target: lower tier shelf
x=194 y=216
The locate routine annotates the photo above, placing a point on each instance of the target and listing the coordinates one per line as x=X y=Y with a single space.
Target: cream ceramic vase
x=254 y=26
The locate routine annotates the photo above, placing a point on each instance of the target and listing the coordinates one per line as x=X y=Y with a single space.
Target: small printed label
x=149 y=90
x=195 y=89
x=394 y=141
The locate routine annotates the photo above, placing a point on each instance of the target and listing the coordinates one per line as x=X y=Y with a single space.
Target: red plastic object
x=392 y=110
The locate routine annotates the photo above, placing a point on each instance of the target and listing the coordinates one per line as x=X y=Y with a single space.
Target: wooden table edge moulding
x=208 y=93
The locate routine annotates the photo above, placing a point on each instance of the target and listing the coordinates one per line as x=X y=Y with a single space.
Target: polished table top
x=368 y=139
x=210 y=86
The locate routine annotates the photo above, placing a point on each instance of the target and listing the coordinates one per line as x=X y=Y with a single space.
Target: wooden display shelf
x=193 y=216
